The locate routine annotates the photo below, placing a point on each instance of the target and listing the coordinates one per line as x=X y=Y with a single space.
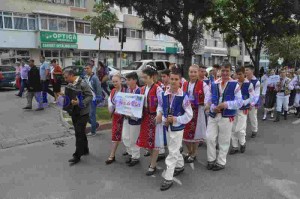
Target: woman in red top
x=57 y=77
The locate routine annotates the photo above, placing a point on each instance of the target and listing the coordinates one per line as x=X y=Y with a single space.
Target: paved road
x=270 y=169
x=17 y=125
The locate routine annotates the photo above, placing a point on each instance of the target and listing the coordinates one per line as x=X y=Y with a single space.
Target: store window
x=52 y=54
x=10 y=57
x=81 y=58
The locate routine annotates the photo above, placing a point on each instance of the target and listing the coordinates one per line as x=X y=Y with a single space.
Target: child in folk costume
x=240 y=121
x=195 y=130
x=174 y=111
x=283 y=95
x=249 y=71
x=117 y=119
x=269 y=94
x=151 y=135
x=295 y=84
x=165 y=78
x=131 y=125
x=223 y=100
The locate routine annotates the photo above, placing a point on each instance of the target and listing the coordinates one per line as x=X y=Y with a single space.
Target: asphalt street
x=270 y=168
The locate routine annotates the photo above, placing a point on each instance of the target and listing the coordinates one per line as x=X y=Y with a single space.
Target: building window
x=62 y=25
x=9 y=57
x=53 y=24
x=205 y=42
x=8 y=24
x=31 y=24
x=114 y=32
x=44 y=23
x=130 y=10
x=216 y=43
x=79 y=27
x=78 y=3
x=71 y=26
x=87 y=28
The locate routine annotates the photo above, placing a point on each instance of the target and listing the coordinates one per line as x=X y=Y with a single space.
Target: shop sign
x=156 y=49
x=58 y=37
x=58 y=45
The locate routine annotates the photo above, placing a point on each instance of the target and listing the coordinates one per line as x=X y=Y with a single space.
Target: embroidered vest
x=131 y=121
x=228 y=95
x=207 y=81
x=176 y=109
x=198 y=93
x=245 y=94
x=152 y=100
x=254 y=82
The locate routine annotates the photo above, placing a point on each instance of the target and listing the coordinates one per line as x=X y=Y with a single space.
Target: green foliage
x=287 y=47
x=103 y=21
x=180 y=19
x=254 y=21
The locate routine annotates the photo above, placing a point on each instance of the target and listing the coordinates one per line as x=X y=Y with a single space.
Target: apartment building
x=56 y=29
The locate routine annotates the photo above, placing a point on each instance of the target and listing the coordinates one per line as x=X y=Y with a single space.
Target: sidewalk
x=20 y=127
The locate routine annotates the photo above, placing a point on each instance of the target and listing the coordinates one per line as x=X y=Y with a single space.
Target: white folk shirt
x=186 y=105
x=256 y=91
x=232 y=105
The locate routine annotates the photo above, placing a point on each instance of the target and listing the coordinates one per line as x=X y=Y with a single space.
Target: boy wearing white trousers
x=131 y=126
x=283 y=95
x=249 y=71
x=240 y=120
x=174 y=111
x=295 y=84
x=224 y=99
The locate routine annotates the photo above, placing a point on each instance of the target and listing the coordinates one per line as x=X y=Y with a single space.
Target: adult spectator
x=18 y=77
x=95 y=86
x=103 y=75
x=80 y=108
x=34 y=87
x=95 y=68
x=261 y=72
x=45 y=79
x=24 y=69
x=56 y=76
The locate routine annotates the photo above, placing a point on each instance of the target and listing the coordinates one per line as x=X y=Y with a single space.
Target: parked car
x=79 y=71
x=7 y=76
x=138 y=66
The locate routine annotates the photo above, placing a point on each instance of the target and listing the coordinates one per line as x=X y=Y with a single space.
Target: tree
x=102 y=22
x=287 y=47
x=253 y=21
x=181 y=19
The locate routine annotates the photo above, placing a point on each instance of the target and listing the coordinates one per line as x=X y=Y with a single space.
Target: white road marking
x=296 y=122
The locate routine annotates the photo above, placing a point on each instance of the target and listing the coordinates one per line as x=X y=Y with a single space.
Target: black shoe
x=190 y=159
x=27 y=108
x=151 y=171
x=147 y=153
x=86 y=152
x=125 y=153
x=210 y=165
x=18 y=95
x=74 y=160
x=39 y=109
x=218 y=167
x=128 y=160
x=181 y=149
x=161 y=157
x=233 y=151
x=243 y=148
x=133 y=162
x=277 y=119
x=178 y=171
x=166 y=185
x=110 y=160
x=253 y=134
x=285 y=115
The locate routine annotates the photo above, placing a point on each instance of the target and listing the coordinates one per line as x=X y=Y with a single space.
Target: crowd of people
x=210 y=108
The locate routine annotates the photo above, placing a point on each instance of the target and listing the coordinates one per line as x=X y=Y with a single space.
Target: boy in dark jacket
x=34 y=87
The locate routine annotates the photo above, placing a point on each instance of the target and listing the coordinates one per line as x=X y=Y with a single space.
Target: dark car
x=79 y=71
x=7 y=76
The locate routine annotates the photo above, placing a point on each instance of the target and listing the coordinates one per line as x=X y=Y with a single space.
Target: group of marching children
x=212 y=110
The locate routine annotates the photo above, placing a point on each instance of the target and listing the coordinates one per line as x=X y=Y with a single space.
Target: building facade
x=56 y=30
